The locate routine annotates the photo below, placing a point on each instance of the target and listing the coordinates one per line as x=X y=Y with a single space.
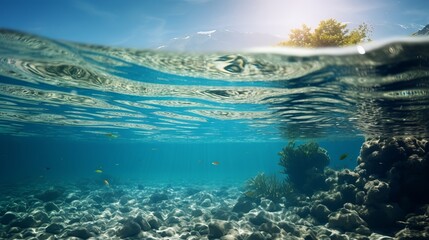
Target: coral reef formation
x=387 y=193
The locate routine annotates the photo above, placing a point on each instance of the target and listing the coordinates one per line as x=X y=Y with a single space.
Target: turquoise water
x=68 y=109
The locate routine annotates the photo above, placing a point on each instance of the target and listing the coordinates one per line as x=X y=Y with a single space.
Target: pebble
x=54 y=228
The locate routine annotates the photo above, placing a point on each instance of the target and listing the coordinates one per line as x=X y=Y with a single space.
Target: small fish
x=215 y=163
x=250 y=194
x=111 y=135
x=99 y=171
x=106 y=182
x=47 y=168
x=343 y=156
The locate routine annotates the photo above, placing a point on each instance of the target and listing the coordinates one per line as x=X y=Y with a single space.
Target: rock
x=173 y=220
x=41 y=217
x=377 y=192
x=320 y=212
x=50 y=206
x=143 y=223
x=244 y=205
x=129 y=229
x=303 y=211
x=360 y=197
x=289 y=228
x=229 y=237
x=216 y=230
x=80 y=233
x=268 y=205
x=347 y=177
x=25 y=222
x=336 y=236
x=346 y=220
x=389 y=213
x=269 y=227
x=409 y=234
x=310 y=236
x=202 y=229
x=169 y=232
x=348 y=193
x=54 y=228
x=197 y=213
x=158 y=197
x=154 y=222
x=7 y=218
x=50 y=195
x=260 y=218
x=332 y=200
x=256 y=236
x=223 y=214
x=206 y=203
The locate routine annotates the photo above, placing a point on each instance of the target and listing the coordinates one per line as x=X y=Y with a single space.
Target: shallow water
x=61 y=89
x=99 y=138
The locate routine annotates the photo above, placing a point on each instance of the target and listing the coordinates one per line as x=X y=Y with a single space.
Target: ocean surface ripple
x=58 y=88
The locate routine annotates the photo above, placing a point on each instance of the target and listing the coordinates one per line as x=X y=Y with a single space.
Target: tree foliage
x=329 y=33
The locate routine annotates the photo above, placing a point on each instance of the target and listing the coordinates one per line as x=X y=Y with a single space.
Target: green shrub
x=267 y=186
x=304 y=166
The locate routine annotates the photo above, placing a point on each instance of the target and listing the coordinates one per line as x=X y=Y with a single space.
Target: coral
x=304 y=166
x=403 y=163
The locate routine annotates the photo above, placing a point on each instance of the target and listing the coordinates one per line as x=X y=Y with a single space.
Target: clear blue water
x=67 y=109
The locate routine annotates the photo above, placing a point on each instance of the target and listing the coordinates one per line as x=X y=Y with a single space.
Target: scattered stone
x=197 y=213
x=320 y=212
x=129 y=229
x=41 y=217
x=409 y=234
x=206 y=203
x=256 y=236
x=346 y=220
x=54 y=228
x=216 y=230
x=50 y=206
x=143 y=223
x=289 y=228
x=154 y=222
x=169 y=232
x=269 y=227
x=50 y=195
x=377 y=192
x=347 y=177
x=80 y=233
x=158 y=197
x=268 y=205
x=7 y=218
x=202 y=229
x=25 y=222
x=259 y=219
x=389 y=213
x=302 y=211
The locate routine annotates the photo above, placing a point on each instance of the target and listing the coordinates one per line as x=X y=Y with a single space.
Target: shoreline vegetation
x=329 y=33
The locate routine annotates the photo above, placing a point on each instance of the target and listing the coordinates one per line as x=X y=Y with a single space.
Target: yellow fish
x=344 y=156
x=106 y=182
x=111 y=135
x=99 y=171
x=215 y=163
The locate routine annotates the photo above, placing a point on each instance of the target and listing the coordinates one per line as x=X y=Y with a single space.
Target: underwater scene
x=299 y=140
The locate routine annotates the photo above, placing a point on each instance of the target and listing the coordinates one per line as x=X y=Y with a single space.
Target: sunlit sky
x=148 y=23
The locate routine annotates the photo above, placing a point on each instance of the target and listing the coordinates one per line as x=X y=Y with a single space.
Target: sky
x=148 y=23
